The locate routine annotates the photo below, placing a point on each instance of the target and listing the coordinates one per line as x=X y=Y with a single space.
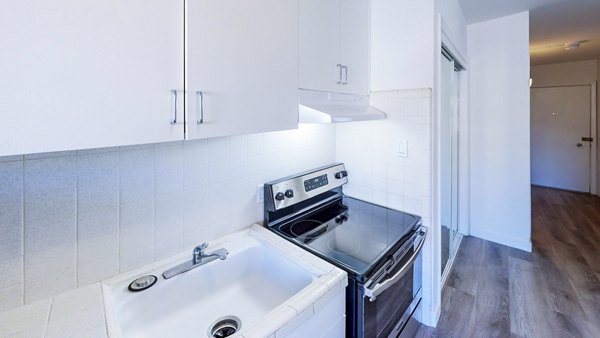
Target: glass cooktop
x=350 y=233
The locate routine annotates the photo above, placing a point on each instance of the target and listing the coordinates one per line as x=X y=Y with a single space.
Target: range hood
x=328 y=107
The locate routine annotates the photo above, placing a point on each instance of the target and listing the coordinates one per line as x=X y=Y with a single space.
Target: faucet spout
x=220 y=254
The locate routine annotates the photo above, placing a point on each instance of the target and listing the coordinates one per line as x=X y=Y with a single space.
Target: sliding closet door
x=449 y=156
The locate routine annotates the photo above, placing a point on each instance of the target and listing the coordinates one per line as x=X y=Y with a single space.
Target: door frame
x=432 y=279
x=593 y=131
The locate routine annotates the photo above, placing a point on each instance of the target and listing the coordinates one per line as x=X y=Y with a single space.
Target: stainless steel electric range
x=380 y=248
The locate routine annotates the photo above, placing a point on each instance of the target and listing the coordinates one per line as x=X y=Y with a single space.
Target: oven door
x=389 y=299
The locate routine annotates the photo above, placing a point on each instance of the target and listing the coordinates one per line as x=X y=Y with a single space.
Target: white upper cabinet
x=100 y=73
x=86 y=74
x=319 y=58
x=241 y=66
x=355 y=45
x=334 y=45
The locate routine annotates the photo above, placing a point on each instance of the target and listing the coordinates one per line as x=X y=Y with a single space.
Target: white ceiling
x=552 y=23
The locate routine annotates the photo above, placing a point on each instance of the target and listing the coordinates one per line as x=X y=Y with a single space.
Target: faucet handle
x=199 y=250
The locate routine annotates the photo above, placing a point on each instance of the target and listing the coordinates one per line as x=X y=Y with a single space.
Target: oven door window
x=382 y=315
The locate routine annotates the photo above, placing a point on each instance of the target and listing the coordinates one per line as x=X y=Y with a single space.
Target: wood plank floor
x=497 y=291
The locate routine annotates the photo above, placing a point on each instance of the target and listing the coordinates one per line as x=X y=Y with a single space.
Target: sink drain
x=225 y=327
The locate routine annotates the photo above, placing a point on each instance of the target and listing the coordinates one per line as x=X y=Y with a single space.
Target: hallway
x=497 y=291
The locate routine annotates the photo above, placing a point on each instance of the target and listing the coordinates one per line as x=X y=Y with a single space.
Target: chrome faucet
x=199 y=255
x=199 y=258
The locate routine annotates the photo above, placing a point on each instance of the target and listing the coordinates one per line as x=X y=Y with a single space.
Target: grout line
x=23 y=228
x=77 y=220
x=119 y=211
x=154 y=203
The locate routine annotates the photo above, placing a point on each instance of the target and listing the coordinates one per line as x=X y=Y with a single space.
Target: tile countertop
x=81 y=312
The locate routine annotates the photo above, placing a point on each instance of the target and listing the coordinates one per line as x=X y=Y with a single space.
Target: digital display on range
x=315 y=182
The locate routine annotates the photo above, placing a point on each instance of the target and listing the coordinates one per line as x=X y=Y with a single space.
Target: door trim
x=594 y=148
x=593 y=131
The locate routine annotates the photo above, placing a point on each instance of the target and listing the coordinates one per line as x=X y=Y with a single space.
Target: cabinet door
x=86 y=74
x=355 y=45
x=319 y=45
x=241 y=66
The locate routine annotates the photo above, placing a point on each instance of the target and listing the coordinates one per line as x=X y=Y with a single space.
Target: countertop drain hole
x=224 y=327
x=142 y=283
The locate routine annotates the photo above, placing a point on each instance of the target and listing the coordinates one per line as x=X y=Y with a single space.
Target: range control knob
x=279 y=196
x=289 y=193
x=341 y=174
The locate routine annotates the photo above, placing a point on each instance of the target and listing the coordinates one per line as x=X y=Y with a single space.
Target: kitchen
x=134 y=132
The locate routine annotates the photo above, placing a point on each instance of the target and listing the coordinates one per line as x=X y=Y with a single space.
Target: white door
x=241 y=66
x=560 y=117
x=86 y=74
x=354 y=35
x=319 y=45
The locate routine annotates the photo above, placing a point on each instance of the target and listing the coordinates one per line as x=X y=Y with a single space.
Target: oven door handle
x=380 y=287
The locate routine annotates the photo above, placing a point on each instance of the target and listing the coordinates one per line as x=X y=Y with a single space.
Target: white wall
x=567 y=73
x=454 y=25
x=402 y=42
x=500 y=188
x=69 y=219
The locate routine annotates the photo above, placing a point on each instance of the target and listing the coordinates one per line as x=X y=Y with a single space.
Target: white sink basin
x=254 y=280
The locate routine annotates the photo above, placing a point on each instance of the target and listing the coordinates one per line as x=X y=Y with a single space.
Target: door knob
x=579 y=145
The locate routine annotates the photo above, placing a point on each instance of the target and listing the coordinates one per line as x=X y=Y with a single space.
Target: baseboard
x=561 y=189
x=431 y=319
x=515 y=242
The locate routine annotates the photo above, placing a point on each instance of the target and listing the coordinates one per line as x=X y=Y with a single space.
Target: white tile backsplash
x=11 y=210
x=70 y=219
x=50 y=189
x=50 y=214
x=97 y=194
x=136 y=191
x=12 y=296
x=97 y=215
x=168 y=199
x=98 y=269
x=56 y=282
x=376 y=173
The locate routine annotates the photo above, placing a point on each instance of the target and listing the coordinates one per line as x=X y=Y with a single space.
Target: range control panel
x=314 y=183
x=297 y=188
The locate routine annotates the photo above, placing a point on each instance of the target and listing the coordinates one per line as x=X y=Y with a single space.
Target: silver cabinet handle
x=200 y=95
x=174 y=120
x=380 y=287
x=345 y=81
x=340 y=67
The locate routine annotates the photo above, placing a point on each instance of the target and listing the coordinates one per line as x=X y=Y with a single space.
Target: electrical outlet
x=260 y=194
